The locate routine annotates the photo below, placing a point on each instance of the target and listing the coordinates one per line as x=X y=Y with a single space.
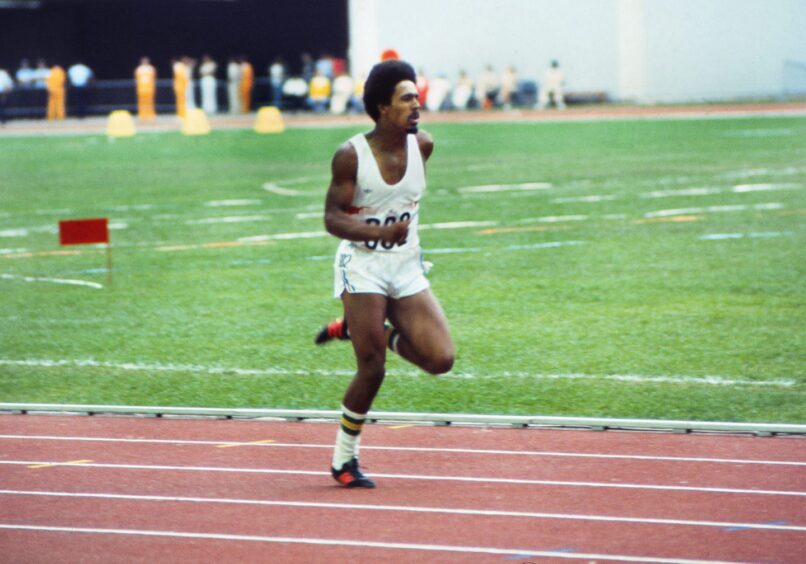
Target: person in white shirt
x=552 y=87
x=80 y=77
x=234 y=85
x=207 y=72
x=373 y=206
x=6 y=86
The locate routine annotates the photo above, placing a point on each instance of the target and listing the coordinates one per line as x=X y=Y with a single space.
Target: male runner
x=378 y=179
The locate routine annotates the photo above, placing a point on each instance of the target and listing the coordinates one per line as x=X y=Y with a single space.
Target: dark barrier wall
x=110 y=36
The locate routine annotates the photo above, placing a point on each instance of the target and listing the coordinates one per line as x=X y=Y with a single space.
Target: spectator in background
x=234 y=85
x=56 y=85
x=190 y=91
x=40 y=74
x=26 y=75
x=343 y=88
x=357 y=102
x=207 y=72
x=180 y=86
x=6 y=86
x=552 y=87
x=487 y=88
x=306 y=67
x=319 y=91
x=422 y=88
x=438 y=92
x=276 y=79
x=247 y=83
x=295 y=92
x=145 y=79
x=462 y=92
x=509 y=87
x=80 y=76
x=324 y=64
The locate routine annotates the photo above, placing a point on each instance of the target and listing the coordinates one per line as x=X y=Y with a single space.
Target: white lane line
x=768 y=187
x=527 y=186
x=228 y=219
x=752 y=235
x=715 y=209
x=280 y=191
x=518 y=552
x=229 y=203
x=285 y=371
x=495 y=452
x=66 y=281
x=411 y=509
x=471 y=479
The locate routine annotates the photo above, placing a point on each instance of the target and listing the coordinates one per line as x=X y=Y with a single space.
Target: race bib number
x=372 y=245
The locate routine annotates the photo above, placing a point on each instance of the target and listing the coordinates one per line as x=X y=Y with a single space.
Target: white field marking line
x=715 y=209
x=228 y=203
x=681 y=192
x=470 y=479
x=67 y=281
x=228 y=219
x=280 y=191
x=458 y=224
x=280 y=371
x=526 y=186
x=518 y=552
x=584 y=199
x=768 y=187
x=753 y=235
x=412 y=509
x=551 y=245
x=495 y=452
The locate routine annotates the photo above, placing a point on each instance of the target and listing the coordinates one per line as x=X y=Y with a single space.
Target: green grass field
x=641 y=268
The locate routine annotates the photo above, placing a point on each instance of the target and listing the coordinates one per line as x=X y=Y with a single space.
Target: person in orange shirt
x=180 y=86
x=247 y=83
x=145 y=77
x=55 y=84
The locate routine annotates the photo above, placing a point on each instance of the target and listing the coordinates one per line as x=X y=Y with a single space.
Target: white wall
x=694 y=49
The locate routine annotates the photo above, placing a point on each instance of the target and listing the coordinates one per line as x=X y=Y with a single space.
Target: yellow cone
x=269 y=120
x=195 y=123
x=120 y=124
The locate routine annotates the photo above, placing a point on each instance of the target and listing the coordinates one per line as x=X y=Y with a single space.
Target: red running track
x=93 y=489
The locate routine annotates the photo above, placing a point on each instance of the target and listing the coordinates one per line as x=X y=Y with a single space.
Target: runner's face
x=404 y=109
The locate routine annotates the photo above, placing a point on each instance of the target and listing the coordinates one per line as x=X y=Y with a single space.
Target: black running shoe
x=350 y=476
x=336 y=329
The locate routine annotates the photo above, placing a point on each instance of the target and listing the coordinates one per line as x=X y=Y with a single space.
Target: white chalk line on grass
x=526 y=186
x=406 y=509
x=715 y=209
x=515 y=552
x=67 y=281
x=751 y=235
x=286 y=371
x=708 y=191
x=441 y=450
x=419 y=477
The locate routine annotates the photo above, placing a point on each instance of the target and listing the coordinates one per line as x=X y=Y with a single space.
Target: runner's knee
x=440 y=363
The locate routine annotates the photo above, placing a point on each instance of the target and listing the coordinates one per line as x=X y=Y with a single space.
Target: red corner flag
x=87 y=232
x=83 y=231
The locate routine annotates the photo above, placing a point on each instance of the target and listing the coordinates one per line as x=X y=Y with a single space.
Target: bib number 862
x=388 y=221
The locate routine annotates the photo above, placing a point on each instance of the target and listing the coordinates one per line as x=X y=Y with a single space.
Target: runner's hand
x=395 y=233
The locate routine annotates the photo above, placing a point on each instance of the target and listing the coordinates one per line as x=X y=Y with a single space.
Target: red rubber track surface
x=92 y=489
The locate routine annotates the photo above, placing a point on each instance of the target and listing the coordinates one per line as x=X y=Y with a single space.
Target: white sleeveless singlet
x=375 y=201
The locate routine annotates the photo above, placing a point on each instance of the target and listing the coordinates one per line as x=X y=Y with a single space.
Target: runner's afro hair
x=381 y=84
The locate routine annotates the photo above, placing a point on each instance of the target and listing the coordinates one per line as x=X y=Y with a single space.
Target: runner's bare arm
x=339 y=203
x=426 y=143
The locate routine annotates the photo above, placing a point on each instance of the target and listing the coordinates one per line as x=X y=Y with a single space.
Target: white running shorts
x=396 y=275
